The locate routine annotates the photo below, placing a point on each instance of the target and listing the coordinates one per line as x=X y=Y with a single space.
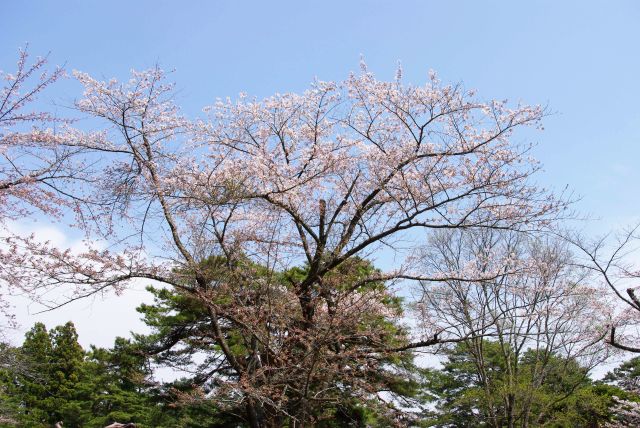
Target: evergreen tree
x=70 y=383
x=125 y=392
x=626 y=376
x=119 y=380
x=472 y=394
x=626 y=411
x=50 y=378
x=10 y=366
x=181 y=338
x=33 y=390
x=50 y=383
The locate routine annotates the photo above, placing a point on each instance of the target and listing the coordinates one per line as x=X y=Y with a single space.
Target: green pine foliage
x=55 y=386
x=54 y=379
x=468 y=394
x=180 y=328
x=626 y=376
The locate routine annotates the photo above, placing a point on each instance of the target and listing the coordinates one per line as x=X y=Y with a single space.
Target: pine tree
x=70 y=382
x=181 y=333
x=50 y=378
x=34 y=389
x=469 y=393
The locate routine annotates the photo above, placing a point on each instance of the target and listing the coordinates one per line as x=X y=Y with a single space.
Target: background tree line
x=51 y=378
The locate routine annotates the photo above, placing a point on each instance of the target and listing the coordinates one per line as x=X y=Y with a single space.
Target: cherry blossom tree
x=343 y=170
x=538 y=307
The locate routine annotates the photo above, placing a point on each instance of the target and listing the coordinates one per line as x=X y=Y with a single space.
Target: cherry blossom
x=338 y=173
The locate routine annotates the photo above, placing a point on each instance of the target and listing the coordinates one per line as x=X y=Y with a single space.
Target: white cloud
x=99 y=319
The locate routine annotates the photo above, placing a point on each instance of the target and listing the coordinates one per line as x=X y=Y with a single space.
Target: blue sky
x=581 y=58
